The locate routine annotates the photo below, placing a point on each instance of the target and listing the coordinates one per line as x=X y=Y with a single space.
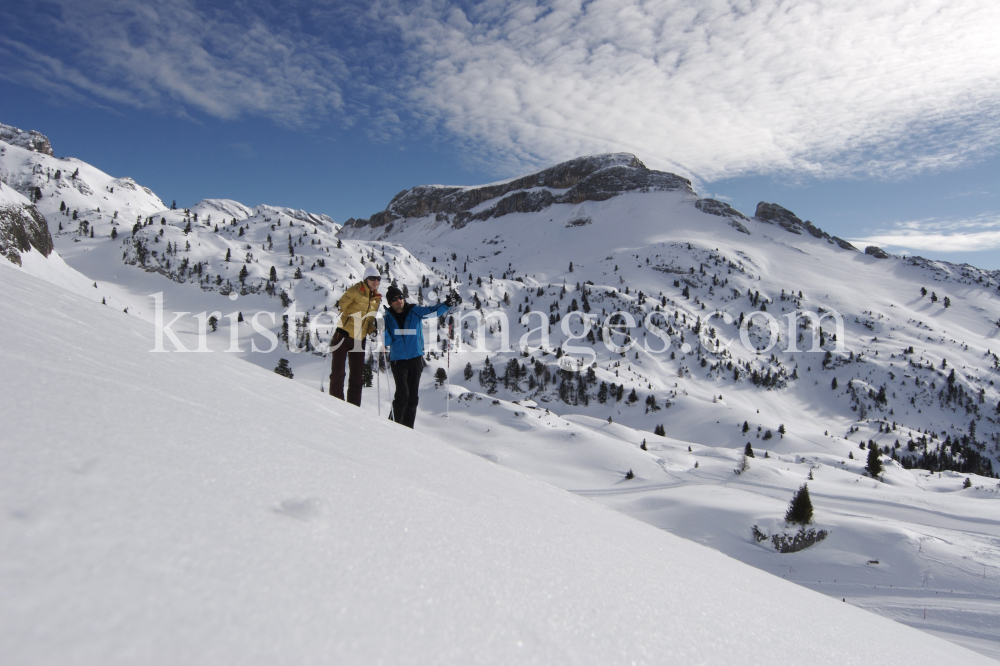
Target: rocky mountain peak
x=771 y=213
x=33 y=141
x=589 y=178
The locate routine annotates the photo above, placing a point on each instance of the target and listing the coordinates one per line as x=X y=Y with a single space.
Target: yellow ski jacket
x=358 y=307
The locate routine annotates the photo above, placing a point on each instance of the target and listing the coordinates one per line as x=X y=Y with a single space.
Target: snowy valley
x=597 y=348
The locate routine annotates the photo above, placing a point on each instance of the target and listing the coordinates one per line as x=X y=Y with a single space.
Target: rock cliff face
x=32 y=140
x=594 y=178
x=774 y=214
x=22 y=227
x=713 y=207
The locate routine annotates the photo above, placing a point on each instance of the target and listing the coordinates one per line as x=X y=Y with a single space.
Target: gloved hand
x=451 y=300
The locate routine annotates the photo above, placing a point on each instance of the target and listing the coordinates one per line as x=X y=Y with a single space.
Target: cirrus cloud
x=977 y=234
x=714 y=89
x=708 y=88
x=173 y=54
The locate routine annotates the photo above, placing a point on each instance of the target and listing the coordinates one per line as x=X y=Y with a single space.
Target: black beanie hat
x=392 y=293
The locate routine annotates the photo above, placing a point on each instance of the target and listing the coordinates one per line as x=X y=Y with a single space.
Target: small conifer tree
x=874 y=466
x=748 y=450
x=284 y=369
x=800 y=510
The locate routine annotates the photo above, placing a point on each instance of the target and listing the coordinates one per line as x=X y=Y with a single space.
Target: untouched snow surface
x=179 y=508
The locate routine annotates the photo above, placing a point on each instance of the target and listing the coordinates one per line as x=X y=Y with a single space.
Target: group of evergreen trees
x=959 y=455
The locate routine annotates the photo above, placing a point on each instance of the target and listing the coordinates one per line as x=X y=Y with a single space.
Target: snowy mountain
x=153 y=519
x=699 y=268
x=580 y=410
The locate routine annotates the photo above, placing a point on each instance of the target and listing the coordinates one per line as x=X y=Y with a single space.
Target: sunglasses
x=398 y=298
x=377 y=279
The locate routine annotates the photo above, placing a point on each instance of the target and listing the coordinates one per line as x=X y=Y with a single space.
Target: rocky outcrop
x=32 y=140
x=713 y=207
x=22 y=227
x=770 y=213
x=877 y=252
x=593 y=178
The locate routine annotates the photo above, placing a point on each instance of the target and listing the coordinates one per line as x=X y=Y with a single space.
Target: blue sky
x=879 y=121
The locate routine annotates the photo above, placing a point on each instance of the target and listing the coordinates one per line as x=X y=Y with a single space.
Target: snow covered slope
x=175 y=508
x=642 y=243
x=689 y=263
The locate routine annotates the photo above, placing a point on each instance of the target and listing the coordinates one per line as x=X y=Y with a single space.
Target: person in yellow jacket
x=358 y=307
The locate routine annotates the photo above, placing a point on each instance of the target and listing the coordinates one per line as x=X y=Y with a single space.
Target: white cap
x=371 y=271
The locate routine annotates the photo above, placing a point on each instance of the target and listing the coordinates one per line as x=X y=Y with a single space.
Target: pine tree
x=468 y=373
x=273 y=275
x=284 y=369
x=748 y=450
x=746 y=427
x=800 y=509
x=833 y=384
x=874 y=466
x=441 y=376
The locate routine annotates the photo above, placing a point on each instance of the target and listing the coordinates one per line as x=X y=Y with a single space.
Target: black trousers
x=351 y=351
x=404 y=402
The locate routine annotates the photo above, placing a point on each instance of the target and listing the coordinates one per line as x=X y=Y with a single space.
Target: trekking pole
x=447 y=385
x=378 y=381
x=388 y=385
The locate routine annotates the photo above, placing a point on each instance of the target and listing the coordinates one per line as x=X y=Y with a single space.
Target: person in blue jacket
x=404 y=337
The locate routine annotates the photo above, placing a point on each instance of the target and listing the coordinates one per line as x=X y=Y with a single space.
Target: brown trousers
x=351 y=351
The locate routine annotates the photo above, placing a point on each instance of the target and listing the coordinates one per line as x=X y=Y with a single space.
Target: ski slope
x=173 y=508
x=917 y=547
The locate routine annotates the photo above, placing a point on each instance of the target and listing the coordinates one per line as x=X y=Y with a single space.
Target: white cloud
x=718 y=88
x=707 y=88
x=172 y=54
x=968 y=235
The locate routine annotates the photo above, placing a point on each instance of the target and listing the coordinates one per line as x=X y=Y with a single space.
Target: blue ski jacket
x=406 y=340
